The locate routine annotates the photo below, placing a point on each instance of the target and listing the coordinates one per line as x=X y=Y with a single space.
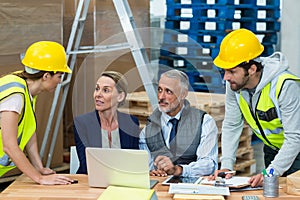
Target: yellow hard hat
x=237 y=47
x=46 y=56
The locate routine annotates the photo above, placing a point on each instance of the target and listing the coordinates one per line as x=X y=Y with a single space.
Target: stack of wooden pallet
x=138 y=104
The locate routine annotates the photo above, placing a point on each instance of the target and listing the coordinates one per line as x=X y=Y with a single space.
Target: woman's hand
x=47 y=171
x=54 y=179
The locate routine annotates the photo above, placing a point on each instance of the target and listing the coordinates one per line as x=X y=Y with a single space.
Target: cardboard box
x=25 y=22
x=293 y=183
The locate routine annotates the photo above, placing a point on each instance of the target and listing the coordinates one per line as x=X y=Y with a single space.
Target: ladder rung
x=82 y=19
x=65 y=82
x=100 y=49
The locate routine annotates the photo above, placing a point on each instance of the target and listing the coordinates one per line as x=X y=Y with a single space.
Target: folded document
x=234 y=182
x=198 y=189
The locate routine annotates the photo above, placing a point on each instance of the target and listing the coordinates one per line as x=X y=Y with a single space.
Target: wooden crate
x=245 y=154
x=245 y=167
x=138 y=103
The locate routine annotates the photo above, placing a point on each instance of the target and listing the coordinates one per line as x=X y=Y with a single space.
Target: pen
x=223 y=174
x=264 y=172
x=271 y=172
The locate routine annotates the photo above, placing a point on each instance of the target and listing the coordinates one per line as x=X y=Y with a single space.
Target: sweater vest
x=187 y=139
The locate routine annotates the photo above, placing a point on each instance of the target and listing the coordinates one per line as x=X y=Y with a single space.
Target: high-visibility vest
x=267 y=117
x=12 y=84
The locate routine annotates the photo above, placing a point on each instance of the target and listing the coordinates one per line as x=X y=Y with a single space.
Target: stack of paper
x=198 y=189
x=197 y=196
x=127 y=193
x=234 y=182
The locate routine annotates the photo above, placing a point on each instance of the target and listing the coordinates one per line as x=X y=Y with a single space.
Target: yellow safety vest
x=267 y=118
x=12 y=84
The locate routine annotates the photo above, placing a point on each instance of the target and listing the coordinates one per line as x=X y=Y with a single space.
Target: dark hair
x=25 y=75
x=246 y=65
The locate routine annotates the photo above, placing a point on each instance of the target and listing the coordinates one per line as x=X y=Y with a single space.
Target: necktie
x=174 y=122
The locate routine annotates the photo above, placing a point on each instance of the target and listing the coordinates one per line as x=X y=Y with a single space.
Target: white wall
x=290 y=33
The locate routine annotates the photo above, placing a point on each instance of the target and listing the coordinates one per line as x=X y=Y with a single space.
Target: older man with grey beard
x=181 y=140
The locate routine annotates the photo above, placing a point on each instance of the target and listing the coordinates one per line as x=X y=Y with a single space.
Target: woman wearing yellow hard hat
x=45 y=62
x=263 y=92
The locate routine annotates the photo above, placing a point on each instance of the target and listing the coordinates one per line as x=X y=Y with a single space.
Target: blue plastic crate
x=219 y=2
x=257 y=3
x=173 y=36
x=211 y=25
x=210 y=79
x=178 y=18
x=201 y=50
x=214 y=52
x=180 y=11
x=185 y=50
x=183 y=26
x=270 y=39
x=188 y=63
x=265 y=13
x=173 y=63
x=193 y=38
x=209 y=38
x=260 y=26
x=205 y=76
x=202 y=87
x=220 y=12
x=183 y=64
x=268 y=50
x=166 y=52
x=207 y=11
x=189 y=58
x=201 y=2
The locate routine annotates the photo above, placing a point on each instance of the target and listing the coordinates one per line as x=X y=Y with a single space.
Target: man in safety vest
x=263 y=92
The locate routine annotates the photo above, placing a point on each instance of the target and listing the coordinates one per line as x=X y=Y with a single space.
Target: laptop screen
x=119 y=167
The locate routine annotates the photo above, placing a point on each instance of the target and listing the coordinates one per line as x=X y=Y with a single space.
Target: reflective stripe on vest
x=12 y=84
x=267 y=112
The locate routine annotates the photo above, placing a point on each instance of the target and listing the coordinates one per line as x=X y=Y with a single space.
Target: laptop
x=118 y=167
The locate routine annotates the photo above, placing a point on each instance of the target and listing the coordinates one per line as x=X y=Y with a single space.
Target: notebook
x=127 y=193
x=118 y=167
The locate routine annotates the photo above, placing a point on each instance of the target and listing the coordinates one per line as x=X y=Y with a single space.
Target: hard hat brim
x=224 y=65
x=229 y=65
x=68 y=70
